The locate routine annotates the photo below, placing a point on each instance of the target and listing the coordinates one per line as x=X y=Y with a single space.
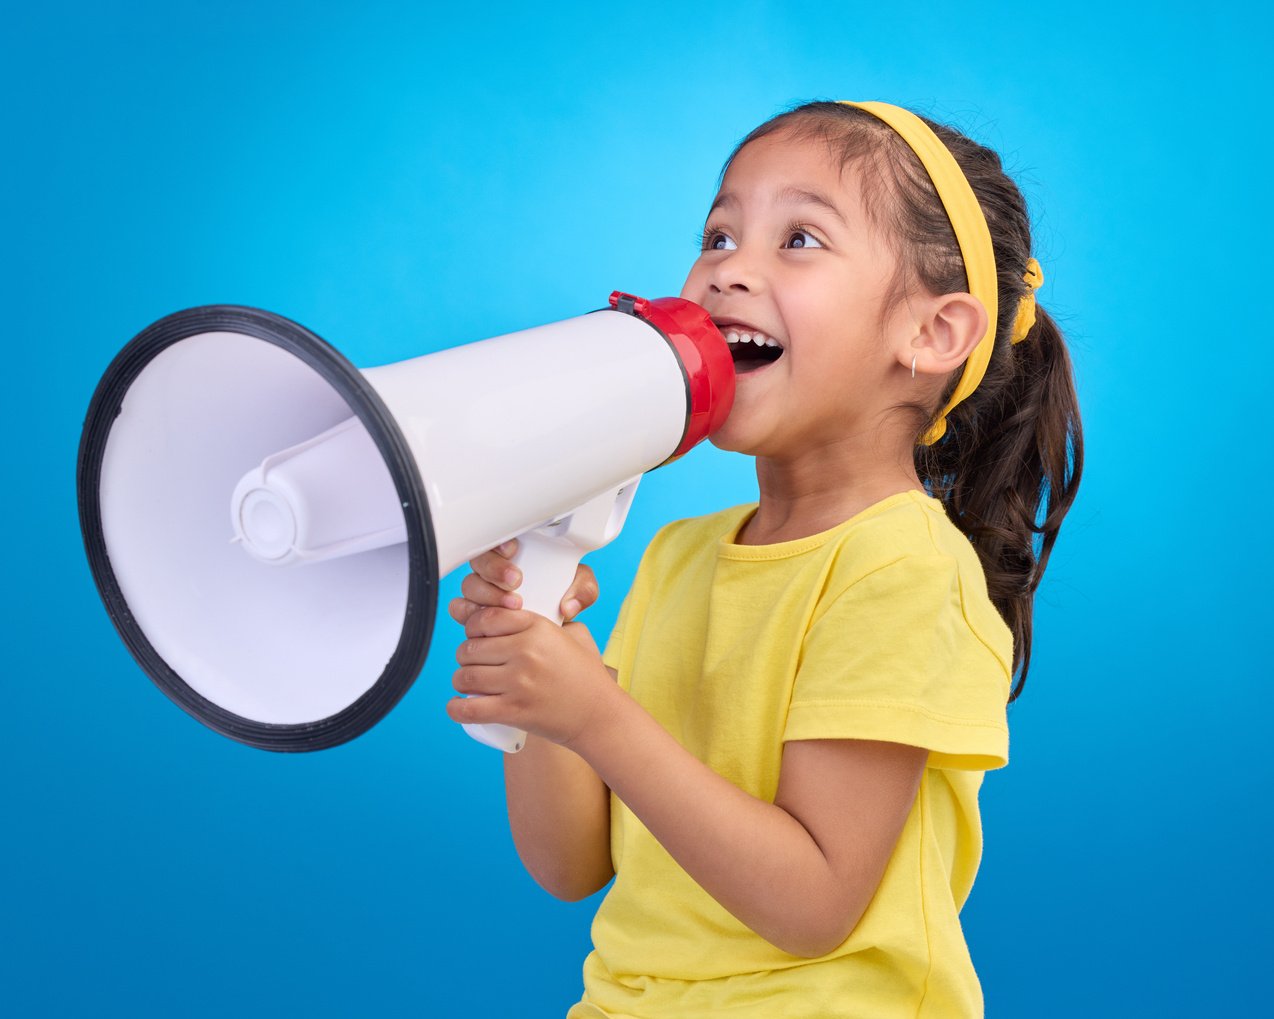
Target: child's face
x=790 y=254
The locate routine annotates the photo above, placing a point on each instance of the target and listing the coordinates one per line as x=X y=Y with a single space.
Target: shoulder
x=909 y=560
x=904 y=644
x=905 y=528
x=908 y=533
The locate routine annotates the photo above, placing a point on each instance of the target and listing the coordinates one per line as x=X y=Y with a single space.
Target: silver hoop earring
x=913 y=365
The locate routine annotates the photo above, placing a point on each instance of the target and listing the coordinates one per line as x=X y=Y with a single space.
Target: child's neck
x=820 y=490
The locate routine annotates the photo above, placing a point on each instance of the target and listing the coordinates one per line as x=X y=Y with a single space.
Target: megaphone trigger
x=548 y=557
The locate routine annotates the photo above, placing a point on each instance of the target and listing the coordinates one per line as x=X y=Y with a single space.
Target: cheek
x=694 y=287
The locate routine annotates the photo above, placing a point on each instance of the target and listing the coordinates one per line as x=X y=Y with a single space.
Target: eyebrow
x=790 y=195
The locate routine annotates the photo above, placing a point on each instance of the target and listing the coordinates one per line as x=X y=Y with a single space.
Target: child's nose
x=737 y=273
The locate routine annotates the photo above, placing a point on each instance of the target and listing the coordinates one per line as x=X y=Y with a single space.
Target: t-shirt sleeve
x=628 y=623
x=614 y=652
x=900 y=656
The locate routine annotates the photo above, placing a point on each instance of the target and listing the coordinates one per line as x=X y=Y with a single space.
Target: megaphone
x=267 y=524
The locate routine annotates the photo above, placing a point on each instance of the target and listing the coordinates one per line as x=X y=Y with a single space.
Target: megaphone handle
x=548 y=558
x=548 y=563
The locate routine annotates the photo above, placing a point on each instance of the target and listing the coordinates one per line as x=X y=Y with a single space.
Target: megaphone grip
x=549 y=557
x=548 y=562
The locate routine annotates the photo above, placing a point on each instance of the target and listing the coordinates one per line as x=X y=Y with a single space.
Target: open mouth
x=750 y=348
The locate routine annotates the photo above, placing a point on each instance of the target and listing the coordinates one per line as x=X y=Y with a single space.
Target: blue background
x=400 y=180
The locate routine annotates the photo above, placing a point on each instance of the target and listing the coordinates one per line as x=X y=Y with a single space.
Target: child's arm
x=799 y=871
x=559 y=813
x=559 y=810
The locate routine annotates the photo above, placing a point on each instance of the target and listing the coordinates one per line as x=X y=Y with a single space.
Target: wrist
x=605 y=721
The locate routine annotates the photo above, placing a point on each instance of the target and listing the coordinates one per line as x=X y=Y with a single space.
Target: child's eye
x=801 y=239
x=715 y=240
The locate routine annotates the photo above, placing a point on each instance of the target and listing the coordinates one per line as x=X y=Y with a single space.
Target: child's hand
x=494 y=582
x=537 y=676
x=532 y=673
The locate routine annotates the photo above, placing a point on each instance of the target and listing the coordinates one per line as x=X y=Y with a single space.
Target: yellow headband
x=1033 y=277
x=974 y=238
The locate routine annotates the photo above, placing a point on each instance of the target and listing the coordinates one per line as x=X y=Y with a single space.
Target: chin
x=729 y=443
x=732 y=440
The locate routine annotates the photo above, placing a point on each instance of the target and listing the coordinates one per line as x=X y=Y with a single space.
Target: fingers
x=496 y=568
x=481 y=660
x=484 y=651
x=482 y=592
x=494 y=639
x=475 y=679
x=462 y=609
x=500 y=622
x=582 y=593
x=477 y=710
x=492 y=582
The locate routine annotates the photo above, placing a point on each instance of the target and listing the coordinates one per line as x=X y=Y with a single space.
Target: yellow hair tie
x=1033 y=277
x=972 y=234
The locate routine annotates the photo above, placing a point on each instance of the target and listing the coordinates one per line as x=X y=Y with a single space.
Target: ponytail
x=1007 y=472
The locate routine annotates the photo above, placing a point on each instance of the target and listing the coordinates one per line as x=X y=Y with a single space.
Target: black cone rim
x=422 y=589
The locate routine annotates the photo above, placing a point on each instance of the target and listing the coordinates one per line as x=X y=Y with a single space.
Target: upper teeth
x=740 y=336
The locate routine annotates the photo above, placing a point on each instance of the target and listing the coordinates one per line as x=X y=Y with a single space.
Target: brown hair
x=1009 y=465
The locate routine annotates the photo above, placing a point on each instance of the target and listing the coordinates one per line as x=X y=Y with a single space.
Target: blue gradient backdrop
x=401 y=179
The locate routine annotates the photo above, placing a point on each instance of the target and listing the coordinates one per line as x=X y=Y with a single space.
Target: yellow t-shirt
x=878 y=629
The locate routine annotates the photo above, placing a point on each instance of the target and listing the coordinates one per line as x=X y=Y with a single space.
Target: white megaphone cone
x=299 y=618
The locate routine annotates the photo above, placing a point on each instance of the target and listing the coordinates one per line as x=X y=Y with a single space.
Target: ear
x=949 y=327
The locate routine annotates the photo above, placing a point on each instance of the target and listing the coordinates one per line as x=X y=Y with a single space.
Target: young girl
x=778 y=757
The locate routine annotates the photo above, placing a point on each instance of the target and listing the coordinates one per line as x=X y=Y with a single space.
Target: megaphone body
x=267 y=524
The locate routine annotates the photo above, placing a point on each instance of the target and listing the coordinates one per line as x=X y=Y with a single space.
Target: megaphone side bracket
x=422 y=594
